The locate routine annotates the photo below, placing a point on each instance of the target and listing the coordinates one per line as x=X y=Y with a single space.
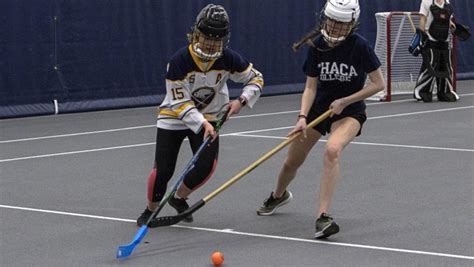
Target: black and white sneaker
x=325 y=226
x=271 y=204
x=144 y=218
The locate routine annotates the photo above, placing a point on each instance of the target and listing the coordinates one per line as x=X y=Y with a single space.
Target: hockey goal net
x=399 y=67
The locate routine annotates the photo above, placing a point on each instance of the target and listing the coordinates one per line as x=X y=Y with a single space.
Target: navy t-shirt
x=341 y=71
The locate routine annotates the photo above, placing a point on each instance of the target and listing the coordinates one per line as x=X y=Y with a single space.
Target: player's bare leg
x=342 y=133
x=297 y=153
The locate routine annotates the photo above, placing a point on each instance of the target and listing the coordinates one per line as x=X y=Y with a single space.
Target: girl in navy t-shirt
x=336 y=69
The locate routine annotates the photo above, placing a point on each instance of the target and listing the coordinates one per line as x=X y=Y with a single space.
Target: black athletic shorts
x=324 y=127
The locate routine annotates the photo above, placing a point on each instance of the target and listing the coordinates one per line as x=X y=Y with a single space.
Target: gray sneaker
x=325 y=226
x=271 y=204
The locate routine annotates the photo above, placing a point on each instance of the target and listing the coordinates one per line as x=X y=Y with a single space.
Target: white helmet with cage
x=339 y=19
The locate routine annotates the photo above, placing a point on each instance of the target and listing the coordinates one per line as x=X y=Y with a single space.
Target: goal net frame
x=399 y=68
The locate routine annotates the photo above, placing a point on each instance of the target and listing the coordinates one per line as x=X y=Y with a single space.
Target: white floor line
x=368 y=144
x=418 y=147
x=154 y=125
x=419 y=112
x=226 y=231
x=266 y=136
x=233 y=232
x=236 y=134
x=75 y=134
x=75 y=152
x=370 y=118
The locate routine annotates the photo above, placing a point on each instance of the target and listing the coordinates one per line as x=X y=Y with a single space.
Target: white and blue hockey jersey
x=197 y=91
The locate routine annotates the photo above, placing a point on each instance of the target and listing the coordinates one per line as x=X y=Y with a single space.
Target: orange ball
x=217 y=258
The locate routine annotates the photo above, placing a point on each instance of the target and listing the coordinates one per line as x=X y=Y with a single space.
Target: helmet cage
x=210 y=34
x=338 y=20
x=334 y=32
x=208 y=48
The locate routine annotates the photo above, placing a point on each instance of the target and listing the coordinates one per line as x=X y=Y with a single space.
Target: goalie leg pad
x=424 y=85
x=423 y=89
x=435 y=58
x=445 y=90
x=444 y=84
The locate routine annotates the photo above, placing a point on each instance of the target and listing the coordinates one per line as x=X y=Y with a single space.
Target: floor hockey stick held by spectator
x=126 y=250
x=170 y=220
x=413 y=27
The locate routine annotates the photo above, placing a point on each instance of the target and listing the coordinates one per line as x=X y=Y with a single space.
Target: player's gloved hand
x=463 y=32
x=417 y=42
x=209 y=130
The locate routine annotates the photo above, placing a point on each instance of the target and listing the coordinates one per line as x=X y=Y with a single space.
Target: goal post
x=399 y=67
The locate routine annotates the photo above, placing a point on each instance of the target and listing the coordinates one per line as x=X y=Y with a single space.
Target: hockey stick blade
x=126 y=250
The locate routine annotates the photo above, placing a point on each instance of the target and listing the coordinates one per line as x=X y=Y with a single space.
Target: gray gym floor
x=73 y=185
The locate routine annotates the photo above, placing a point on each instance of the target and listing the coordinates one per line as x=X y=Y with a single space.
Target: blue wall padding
x=93 y=55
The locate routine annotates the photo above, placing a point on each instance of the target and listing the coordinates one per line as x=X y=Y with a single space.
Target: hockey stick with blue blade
x=125 y=251
x=170 y=220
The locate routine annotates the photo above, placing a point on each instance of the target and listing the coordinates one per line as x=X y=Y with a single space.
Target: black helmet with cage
x=210 y=33
x=339 y=19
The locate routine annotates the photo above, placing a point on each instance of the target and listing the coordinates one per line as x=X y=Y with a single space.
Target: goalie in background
x=336 y=67
x=431 y=39
x=196 y=92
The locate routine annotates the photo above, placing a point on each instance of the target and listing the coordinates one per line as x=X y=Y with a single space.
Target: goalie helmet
x=339 y=19
x=210 y=33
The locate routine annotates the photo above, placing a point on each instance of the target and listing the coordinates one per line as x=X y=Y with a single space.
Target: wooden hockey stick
x=413 y=27
x=170 y=220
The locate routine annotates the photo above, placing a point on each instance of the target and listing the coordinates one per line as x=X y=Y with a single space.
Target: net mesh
x=399 y=67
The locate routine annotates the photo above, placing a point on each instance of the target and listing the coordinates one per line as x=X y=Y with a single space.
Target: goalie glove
x=462 y=32
x=418 y=42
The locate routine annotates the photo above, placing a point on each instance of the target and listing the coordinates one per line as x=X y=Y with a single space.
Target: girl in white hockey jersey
x=196 y=91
